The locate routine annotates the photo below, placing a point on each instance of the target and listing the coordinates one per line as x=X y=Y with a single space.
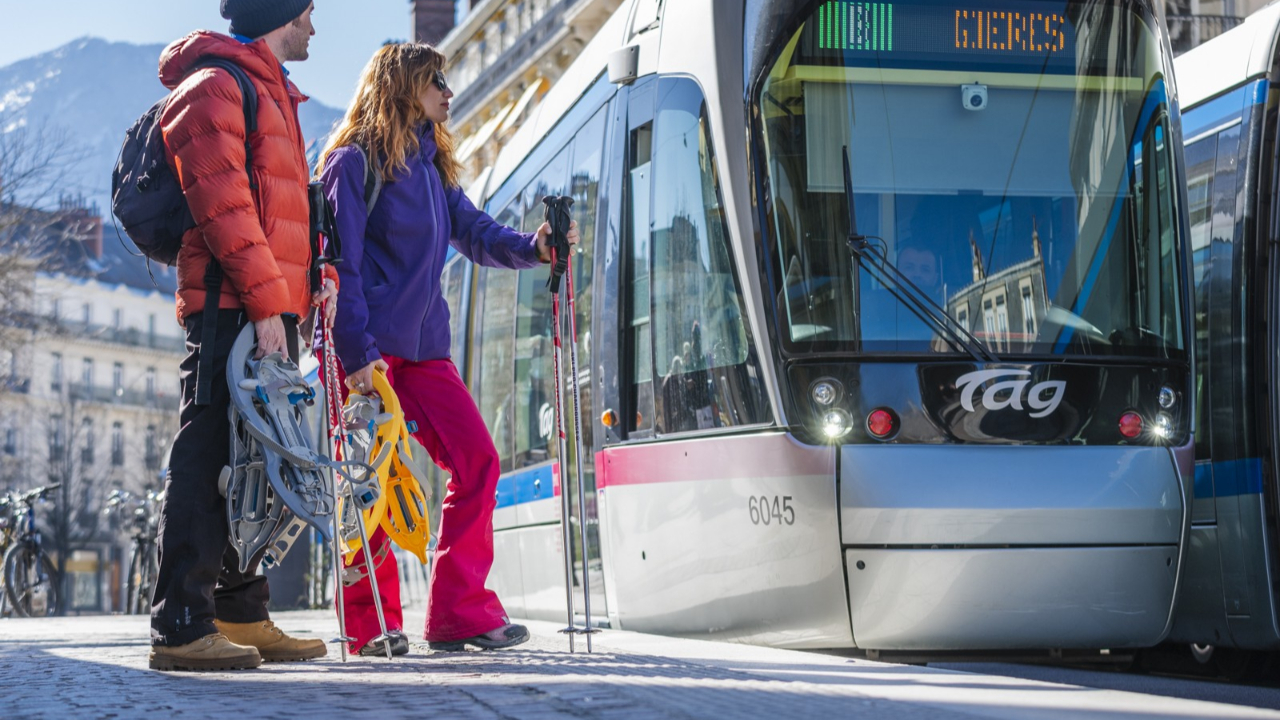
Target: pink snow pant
x=459 y=606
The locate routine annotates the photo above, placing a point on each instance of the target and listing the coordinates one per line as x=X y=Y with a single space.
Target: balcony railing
x=1188 y=31
x=116 y=396
x=15 y=384
x=133 y=337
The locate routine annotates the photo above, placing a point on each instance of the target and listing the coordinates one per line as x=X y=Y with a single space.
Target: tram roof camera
x=973 y=97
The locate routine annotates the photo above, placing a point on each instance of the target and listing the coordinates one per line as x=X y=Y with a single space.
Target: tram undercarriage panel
x=1010 y=598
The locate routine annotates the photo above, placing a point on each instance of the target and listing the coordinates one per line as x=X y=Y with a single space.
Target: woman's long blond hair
x=386 y=111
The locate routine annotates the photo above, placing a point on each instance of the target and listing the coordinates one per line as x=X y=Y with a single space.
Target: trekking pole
x=370 y=563
x=575 y=383
x=333 y=421
x=558 y=217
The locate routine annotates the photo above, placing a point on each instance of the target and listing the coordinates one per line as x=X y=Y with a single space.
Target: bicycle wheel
x=135 y=579
x=142 y=578
x=30 y=582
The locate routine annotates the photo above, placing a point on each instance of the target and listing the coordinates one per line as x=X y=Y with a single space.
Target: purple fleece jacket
x=390 y=299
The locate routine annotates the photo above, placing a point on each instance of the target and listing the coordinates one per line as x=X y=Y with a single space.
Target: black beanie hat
x=255 y=18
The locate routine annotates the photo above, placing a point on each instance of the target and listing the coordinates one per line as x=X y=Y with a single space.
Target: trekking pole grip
x=316 y=200
x=559 y=218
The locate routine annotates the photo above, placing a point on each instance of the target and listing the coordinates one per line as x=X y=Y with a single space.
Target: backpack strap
x=213 y=272
x=372 y=180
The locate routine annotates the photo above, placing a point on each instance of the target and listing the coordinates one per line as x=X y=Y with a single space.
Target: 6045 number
x=775 y=510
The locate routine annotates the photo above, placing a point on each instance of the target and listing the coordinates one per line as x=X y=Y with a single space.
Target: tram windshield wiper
x=875 y=260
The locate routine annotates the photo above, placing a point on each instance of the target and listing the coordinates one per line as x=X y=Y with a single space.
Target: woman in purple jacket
x=392 y=316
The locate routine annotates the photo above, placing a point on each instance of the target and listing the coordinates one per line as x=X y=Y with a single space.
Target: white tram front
x=883 y=328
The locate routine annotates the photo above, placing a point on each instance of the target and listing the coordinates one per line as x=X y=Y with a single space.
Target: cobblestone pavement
x=96 y=667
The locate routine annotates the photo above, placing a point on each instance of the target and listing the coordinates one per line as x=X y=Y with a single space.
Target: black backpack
x=146 y=198
x=149 y=203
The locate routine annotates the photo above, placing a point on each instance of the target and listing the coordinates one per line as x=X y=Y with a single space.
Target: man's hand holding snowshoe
x=271 y=337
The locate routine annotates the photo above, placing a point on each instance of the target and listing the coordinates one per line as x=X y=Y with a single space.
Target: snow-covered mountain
x=96 y=90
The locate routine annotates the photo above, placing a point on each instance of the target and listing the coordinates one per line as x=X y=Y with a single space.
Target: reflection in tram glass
x=1026 y=187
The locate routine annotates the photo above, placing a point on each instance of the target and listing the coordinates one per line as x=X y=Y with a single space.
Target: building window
x=11 y=441
x=117 y=379
x=57 y=439
x=86 y=450
x=962 y=317
x=151 y=329
x=57 y=310
x=55 y=373
x=86 y=373
x=117 y=319
x=151 y=383
x=117 y=444
x=152 y=449
x=87 y=313
x=1028 y=311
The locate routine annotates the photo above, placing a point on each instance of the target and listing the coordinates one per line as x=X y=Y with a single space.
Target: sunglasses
x=440 y=81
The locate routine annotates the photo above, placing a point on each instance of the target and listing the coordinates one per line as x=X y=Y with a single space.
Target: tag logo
x=1016 y=389
x=546 y=421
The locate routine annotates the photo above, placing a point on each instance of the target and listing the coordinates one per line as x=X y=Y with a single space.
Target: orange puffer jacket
x=261 y=237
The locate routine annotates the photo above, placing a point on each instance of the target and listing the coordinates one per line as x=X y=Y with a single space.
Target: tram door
x=588 y=163
x=623 y=372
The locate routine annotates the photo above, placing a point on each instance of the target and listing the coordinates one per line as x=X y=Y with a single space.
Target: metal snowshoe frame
x=276 y=482
x=559 y=217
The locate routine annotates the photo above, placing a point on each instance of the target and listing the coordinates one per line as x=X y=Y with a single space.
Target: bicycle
x=144 y=563
x=30 y=580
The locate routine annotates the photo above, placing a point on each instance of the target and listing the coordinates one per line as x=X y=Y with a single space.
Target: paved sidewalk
x=97 y=668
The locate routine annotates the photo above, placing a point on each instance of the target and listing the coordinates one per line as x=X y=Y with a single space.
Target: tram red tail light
x=881 y=423
x=1131 y=424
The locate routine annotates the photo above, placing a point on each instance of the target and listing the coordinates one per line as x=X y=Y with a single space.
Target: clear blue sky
x=347 y=32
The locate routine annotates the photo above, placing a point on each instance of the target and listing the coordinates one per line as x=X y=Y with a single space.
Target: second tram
x=1232 y=578
x=884 y=339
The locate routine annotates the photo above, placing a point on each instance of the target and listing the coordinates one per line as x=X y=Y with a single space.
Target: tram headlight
x=836 y=424
x=1167 y=397
x=825 y=392
x=1163 y=427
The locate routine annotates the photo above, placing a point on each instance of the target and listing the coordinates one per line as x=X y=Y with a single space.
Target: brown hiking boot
x=211 y=652
x=271 y=642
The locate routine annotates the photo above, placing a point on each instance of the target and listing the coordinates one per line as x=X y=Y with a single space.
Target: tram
x=883 y=323
x=1229 y=595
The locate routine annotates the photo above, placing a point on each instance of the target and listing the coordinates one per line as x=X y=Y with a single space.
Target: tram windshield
x=1012 y=159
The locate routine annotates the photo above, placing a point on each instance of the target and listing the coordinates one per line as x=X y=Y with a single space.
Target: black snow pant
x=199 y=577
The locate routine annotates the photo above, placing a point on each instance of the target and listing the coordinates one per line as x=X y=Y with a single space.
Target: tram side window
x=640 y=394
x=701 y=349
x=497 y=338
x=534 y=366
x=584 y=187
x=1227 y=285
x=455 y=281
x=1200 y=161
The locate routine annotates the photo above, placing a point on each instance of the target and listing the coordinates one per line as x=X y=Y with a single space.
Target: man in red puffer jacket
x=206 y=614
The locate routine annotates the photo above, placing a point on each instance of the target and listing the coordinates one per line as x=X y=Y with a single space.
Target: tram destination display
x=903 y=33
